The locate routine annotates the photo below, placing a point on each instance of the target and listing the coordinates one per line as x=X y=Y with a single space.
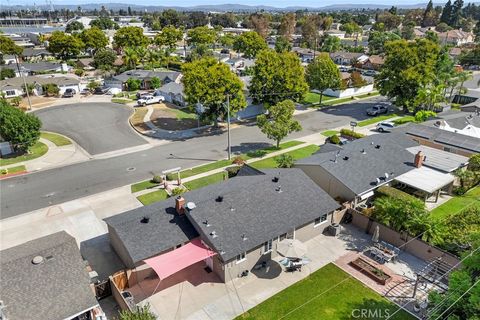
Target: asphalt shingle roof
x=58 y=288
x=148 y=74
x=359 y=171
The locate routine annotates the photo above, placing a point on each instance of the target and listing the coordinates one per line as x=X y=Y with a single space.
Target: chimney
x=180 y=205
x=419 y=158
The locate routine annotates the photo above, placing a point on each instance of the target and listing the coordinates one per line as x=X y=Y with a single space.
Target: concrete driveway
x=96 y=127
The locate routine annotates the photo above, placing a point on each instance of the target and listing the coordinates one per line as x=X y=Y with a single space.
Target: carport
x=425 y=181
x=173 y=261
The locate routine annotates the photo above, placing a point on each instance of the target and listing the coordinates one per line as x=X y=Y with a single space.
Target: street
x=44 y=188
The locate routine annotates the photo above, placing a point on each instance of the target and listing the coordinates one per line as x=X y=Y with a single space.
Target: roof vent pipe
x=145 y=220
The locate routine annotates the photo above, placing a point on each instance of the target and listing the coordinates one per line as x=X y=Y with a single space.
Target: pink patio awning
x=173 y=261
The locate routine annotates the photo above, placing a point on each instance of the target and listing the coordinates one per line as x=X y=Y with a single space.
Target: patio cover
x=425 y=179
x=173 y=261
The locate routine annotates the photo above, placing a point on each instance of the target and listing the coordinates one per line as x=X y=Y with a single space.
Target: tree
x=408 y=31
x=133 y=84
x=208 y=82
x=310 y=32
x=277 y=77
x=446 y=16
x=351 y=28
x=92 y=85
x=20 y=128
x=408 y=66
x=280 y=122
x=94 y=39
x=430 y=16
x=140 y=313
x=104 y=23
x=226 y=20
x=284 y=161
x=155 y=82
x=390 y=21
x=50 y=89
x=476 y=32
x=249 y=43
x=356 y=80
x=287 y=25
x=456 y=14
x=168 y=37
x=323 y=74
x=64 y=46
x=227 y=40
x=74 y=26
x=259 y=22
x=8 y=46
x=378 y=39
x=6 y=73
x=130 y=57
x=201 y=36
x=130 y=37
x=331 y=44
x=282 y=44
x=474 y=163
x=104 y=59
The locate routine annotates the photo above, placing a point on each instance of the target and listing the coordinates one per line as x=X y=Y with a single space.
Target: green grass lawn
x=404 y=119
x=205 y=181
x=314 y=98
x=57 y=139
x=456 y=204
x=330 y=133
x=329 y=293
x=335 y=101
x=121 y=100
x=152 y=197
x=180 y=114
x=376 y=119
x=38 y=150
x=296 y=154
x=143 y=185
x=13 y=170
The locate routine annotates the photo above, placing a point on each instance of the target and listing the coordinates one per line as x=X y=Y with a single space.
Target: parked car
x=385 y=126
x=85 y=92
x=150 y=100
x=99 y=90
x=376 y=110
x=370 y=73
x=143 y=94
x=69 y=93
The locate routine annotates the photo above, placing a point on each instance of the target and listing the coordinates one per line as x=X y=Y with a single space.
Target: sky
x=186 y=3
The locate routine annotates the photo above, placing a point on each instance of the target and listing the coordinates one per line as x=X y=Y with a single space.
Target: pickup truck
x=150 y=100
x=377 y=110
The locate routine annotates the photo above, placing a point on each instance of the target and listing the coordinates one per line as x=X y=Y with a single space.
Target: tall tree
x=104 y=23
x=94 y=39
x=287 y=25
x=429 y=15
x=323 y=74
x=476 y=32
x=168 y=37
x=249 y=43
x=280 y=121
x=201 y=36
x=446 y=16
x=130 y=37
x=64 y=46
x=208 y=82
x=378 y=39
x=331 y=44
x=20 y=128
x=456 y=15
x=104 y=59
x=282 y=44
x=277 y=77
x=259 y=22
x=310 y=32
x=74 y=26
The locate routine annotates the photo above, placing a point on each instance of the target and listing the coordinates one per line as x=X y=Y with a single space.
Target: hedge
x=395 y=193
x=351 y=133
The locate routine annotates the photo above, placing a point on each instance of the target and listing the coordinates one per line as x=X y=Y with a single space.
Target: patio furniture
x=291 y=248
x=294 y=266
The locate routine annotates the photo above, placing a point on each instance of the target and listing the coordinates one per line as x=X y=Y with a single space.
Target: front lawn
x=314 y=98
x=456 y=204
x=205 y=181
x=329 y=293
x=330 y=133
x=38 y=150
x=10 y=170
x=56 y=139
x=376 y=119
x=143 y=185
x=180 y=114
x=296 y=154
x=152 y=197
x=121 y=100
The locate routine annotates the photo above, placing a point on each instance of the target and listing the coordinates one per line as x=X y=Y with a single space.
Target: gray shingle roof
x=253 y=206
x=164 y=230
x=42 y=66
x=148 y=74
x=56 y=289
x=358 y=171
x=439 y=159
x=172 y=87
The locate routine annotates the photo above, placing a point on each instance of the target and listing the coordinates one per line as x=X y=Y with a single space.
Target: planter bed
x=370 y=270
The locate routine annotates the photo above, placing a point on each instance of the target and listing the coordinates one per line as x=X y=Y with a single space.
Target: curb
x=10 y=175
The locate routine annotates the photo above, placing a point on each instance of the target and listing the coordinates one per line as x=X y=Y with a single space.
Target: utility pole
x=228 y=128
x=24 y=83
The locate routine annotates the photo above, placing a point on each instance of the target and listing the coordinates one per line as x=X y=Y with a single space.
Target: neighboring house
x=14 y=87
x=374 y=62
x=119 y=81
x=232 y=226
x=36 y=54
x=8 y=59
x=306 y=55
x=173 y=93
x=455 y=52
x=347 y=58
x=336 y=33
x=419 y=33
x=41 y=67
x=46 y=278
x=85 y=63
x=455 y=37
x=20 y=40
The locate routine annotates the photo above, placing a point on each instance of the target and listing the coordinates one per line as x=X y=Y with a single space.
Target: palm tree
x=462 y=77
x=152 y=57
x=142 y=54
x=130 y=56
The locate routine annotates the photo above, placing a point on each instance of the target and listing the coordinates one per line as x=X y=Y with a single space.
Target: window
x=242 y=257
x=320 y=220
x=10 y=93
x=267 y=246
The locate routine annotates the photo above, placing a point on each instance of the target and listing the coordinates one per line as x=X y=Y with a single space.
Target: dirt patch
x=137 y=119
x=170 y=118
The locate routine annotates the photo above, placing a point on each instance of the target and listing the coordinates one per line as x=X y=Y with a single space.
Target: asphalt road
x=38 y=190
x=96 y=127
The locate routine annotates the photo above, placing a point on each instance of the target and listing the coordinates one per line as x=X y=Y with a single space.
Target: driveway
x=97 y=127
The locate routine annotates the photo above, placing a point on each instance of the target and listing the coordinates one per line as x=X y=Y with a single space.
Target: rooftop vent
x=244 y=237
x=232 y=209
x=206 y=223
x=275 y=179
x=37 y=260
x=377 y=181
x=219 y=199
x=386 y=175
x=363 y=151
x=278 y=189
x=213 y=234
x=377 y=146
x=145 y=220
x=222 y=252
x=346 y=158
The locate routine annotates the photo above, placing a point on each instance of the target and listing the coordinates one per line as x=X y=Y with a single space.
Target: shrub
x=284 y=161
x=50 y=90
x=79 y=72
x=92 y=85
x=233 y=171
x=157 y=179
x=423 y=115
x=238 y=160
x=16 y=101
x=395 y=193
x=133 y=84
x=178 y=191
x=351 y=133
x=335 y=139
x=20 y=128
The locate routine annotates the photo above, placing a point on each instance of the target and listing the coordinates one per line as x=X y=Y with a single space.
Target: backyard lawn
x=456 y=204
x=296 y=154
x=38 y=150
x=329 y=293
x=56 y=139
x=152 y=197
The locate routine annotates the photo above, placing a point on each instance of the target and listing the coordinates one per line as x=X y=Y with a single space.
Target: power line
x=468 y=290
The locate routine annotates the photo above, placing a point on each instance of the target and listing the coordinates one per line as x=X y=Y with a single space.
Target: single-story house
x=85 y=63
x=173 y=93
x=306 y=55
x=35 y=54
x=41 y=67
x=46 y=278
x=347 y=58
x=336 y=33
x=14 y=87
x=232 y=226
x=456 y=37
x=374 y=62
x=119 y=81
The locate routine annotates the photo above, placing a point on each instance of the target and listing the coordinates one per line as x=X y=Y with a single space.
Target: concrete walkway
x=56 y=156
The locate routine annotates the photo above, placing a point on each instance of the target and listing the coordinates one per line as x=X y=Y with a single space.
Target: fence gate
x=103 y=289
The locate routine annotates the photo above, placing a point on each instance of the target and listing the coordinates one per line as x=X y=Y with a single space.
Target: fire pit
x=371 y=271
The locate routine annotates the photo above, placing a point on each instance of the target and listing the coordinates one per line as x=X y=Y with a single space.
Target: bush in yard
x=140 y=313
x=79 y=72
x=157 y=179
x=92 y=85
x=423 y=115
x=238 y=160
x=16 y=101
x=178 y=191
x=335 y=139
x=51 y=90
x=133 y=84
x=474 y=163
x=284 y=160
x=233 y=171
x=155 y=82
x=20 y=128
x=351 y=133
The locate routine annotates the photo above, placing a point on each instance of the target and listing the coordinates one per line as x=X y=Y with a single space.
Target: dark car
x=69 y=93
x=99 y=90
x=376 y=110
